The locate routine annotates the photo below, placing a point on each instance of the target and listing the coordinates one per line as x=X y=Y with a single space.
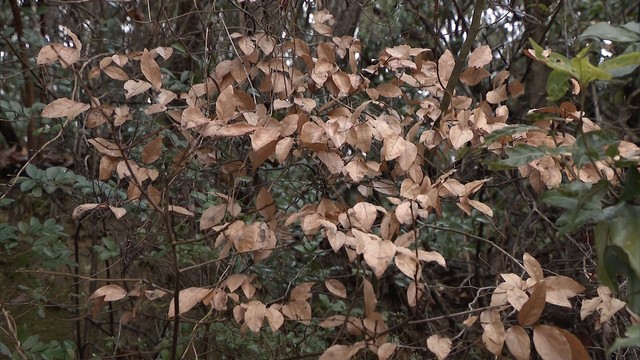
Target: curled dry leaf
x=459 y=136
x=482 y=207
x=441 y=346
x=180 y=210
x=110 y=292
x=187 y=299
x=81 y=209
x=363 y=215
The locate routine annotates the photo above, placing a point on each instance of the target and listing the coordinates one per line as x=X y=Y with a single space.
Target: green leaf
x=582 y=203
x=632 y=339
x=592 y=146
x=631 y=185
x=557 y=84
x=621 y=65
x=33 y=171
x=27 y=185
x=618 y=250
x=610 y=32
x=555 y=61
x=519 y=155
x=587 y=72
x=508 y=131
x=624 y=232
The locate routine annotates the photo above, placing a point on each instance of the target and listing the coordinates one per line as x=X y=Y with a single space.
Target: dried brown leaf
x=532 y=309
x=386 y=350
x=135 y=87
x=153 y=150
x=389 y=90
x=336 y=288
x=187 y=299
x=274 y=318
x=212 y=216
x=440 y=346
x=578 y=351
x=254 y=315
x=342 y=352
x=378 y=255
x=550 y=343
x=64 y=107
x=532 y=266
x=369 y=298
x=110 y=292
x=518 y=343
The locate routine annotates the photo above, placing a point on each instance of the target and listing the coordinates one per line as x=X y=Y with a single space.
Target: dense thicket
x=333 y=179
